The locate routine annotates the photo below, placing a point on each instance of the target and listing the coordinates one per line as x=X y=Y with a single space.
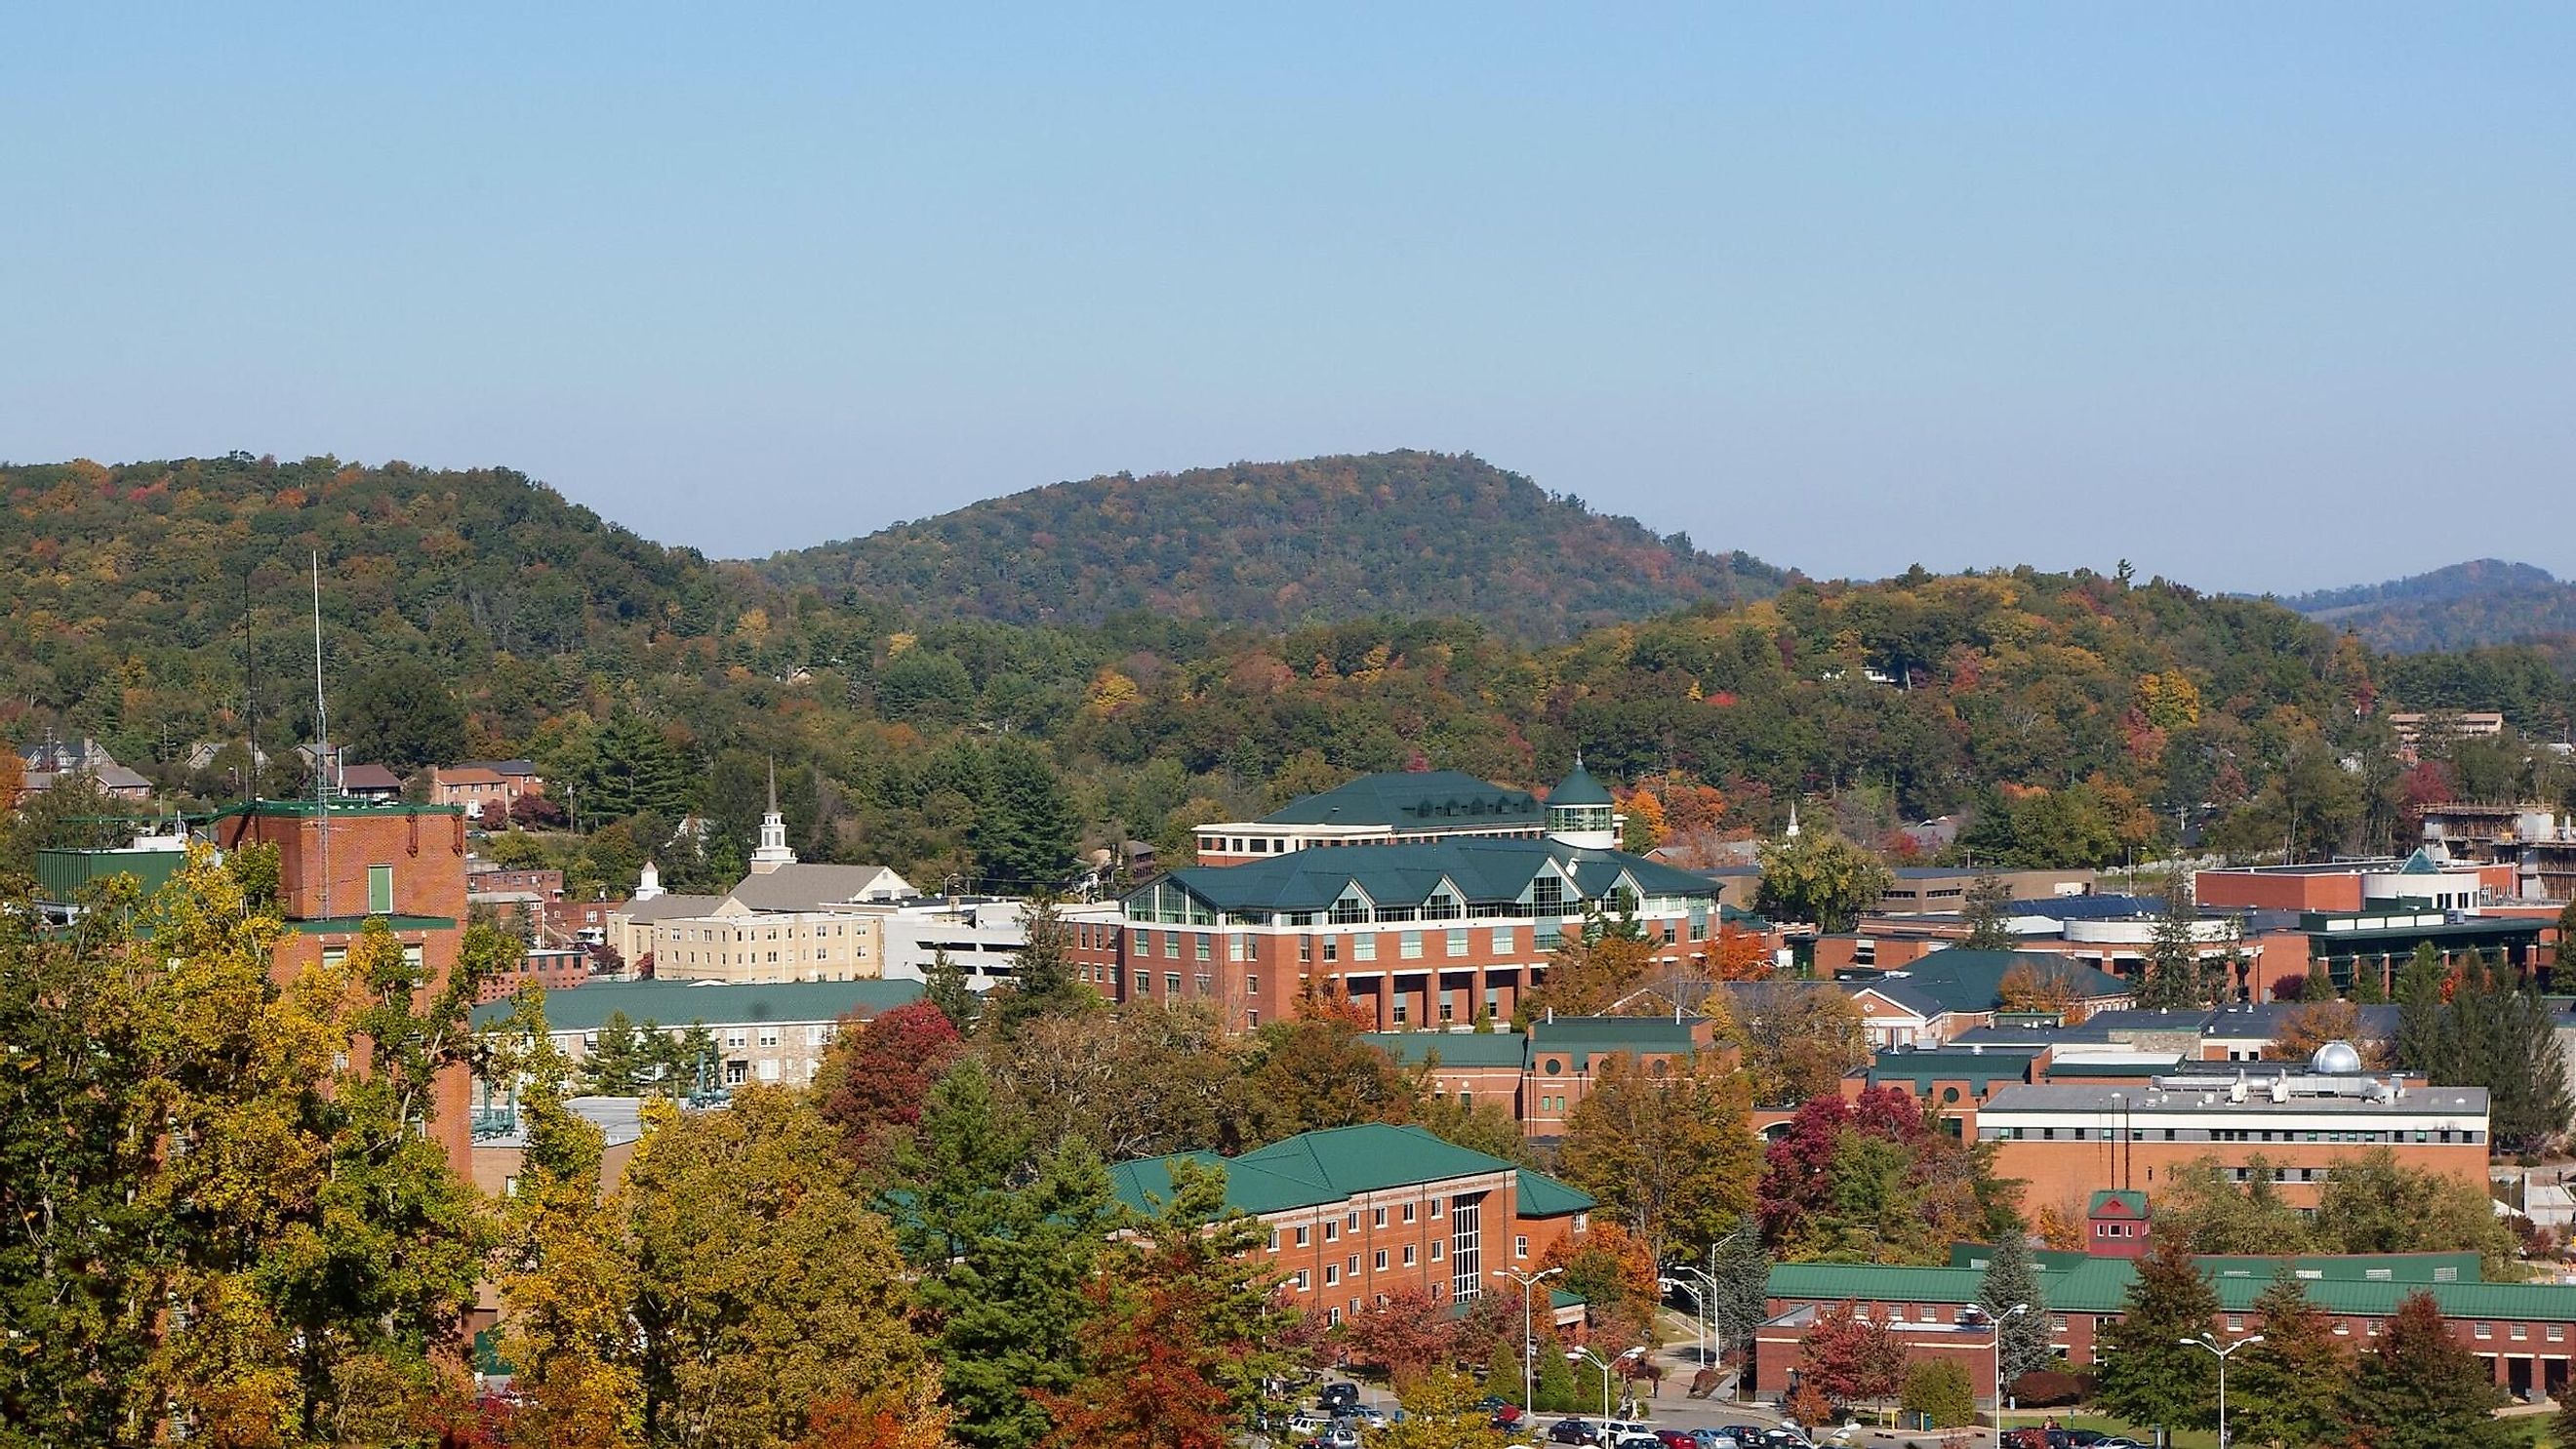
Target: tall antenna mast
x=250 y=696
x=321 y=741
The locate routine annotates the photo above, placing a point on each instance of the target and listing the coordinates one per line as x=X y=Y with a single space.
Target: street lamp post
x=1705 y=1296
x=1586 y=1355
x=1529 y=1341
x=2207 y=1342
x=1999 y=1368
x=1717 y=1331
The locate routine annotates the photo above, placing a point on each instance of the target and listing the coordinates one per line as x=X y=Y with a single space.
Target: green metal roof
x=1313 y=1168
x=2101 y=1285
x=352 y=925
x=1582 y=1038
x=2133 y=1201
x=1578 y=788
x=1922 y=1069
x=1453 y=1048
x=61 y=875
x=1412 y=800
x=1484 y=871
x=683 y=1003
x=1542 y=1196
x=345 y=805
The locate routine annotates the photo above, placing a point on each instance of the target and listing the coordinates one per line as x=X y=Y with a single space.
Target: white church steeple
x=773 y=851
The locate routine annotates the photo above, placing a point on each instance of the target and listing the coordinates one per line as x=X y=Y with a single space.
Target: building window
x=1408 y=1255
x=1172 y=985
x=1206 y=985
x=1379 y=1262
x=1458 y=943
x=2485 y=1330
x=380 y=890
x=1332 y=1232
x=1502 y=940
x=1144 y=983
x=1520 y=1245
x=1408 y=1212
x=1301 y=1280
x=1332 y=1274
x=1252 y=986
x=1364 y=947
x=1409 y=945
x=1199 y=947
x=1332 y=948
x=1305 y=948
x=1377 y=1218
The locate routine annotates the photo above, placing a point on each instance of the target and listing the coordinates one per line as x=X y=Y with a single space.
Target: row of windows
x=2220 y=1134
x=2478 y=1328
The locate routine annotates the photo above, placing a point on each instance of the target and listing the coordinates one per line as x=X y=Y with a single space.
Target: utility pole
x=1529 y=1340
x=2207 y=1342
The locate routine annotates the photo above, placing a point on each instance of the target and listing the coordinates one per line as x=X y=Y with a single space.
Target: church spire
x=773 y=851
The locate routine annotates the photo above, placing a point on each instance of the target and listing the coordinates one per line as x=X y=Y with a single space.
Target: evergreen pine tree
x=2320 y=985
x=1743 y=1283
x=1982 y=911
x=2288 y=1388
x=1045 y=983
x=1004 y=1268
x=2012 y=1278
x=944 y=986
x=2418 y=1388
x=2419 y=1008
x=1023 y=837
x=2151 y=1378
x=2171 y=978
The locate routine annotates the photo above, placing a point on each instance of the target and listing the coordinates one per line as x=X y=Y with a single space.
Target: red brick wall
x=2279 y=891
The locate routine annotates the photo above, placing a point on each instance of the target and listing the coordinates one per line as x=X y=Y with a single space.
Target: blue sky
x=2258 y=297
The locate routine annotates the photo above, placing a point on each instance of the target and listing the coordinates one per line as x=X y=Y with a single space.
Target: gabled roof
x=2130 y=1202
x=499 y=767
x=1412 y=800
x=1583 y=1038
x=716 y=1003
x=1314 y=1168
x=466 y=775
x=2421 y=863
x=803 y=887
x=1492 y=871
x=1542 y=1196
x=669 y=908
x=369 y=777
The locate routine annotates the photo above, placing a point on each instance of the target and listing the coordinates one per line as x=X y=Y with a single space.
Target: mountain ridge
x=1314 y=540
x=2481 y=602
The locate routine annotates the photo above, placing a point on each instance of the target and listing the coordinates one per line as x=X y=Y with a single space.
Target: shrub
x=2049 y=1388
x=1939 y=1388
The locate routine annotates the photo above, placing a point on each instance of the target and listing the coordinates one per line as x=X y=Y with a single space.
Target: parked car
x=1619 y=1431
x=1713 y=1438
x=1675 y=1439
x=1337 y=1397
x=1573 y=1431
x=1637 y=1441
x=1365 y=1417
x=1340 y=1436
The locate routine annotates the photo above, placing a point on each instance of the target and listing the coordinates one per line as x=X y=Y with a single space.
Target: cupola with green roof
x=1579 y=811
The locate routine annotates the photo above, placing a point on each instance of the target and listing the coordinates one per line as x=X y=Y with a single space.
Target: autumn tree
x=763 y=1284
x=2027 y=987
x=877 y=1074
x=1311 y=1074
x=1739 y=955
x=2203 y=1207
x=1442 y=1410
x=1180 y=1342
x=1667 y=1149
x=562 y=1267
x=2374 y=1203
x=1800 y=1039
x=1146 y=1080
x=1402 y=1332
x=2313 y=1024
x=1613 y=1271
x=2420 y=1388
x=1940 y=1393
x=1820 y=877
x=1588 y=973
x=1850 y=1359
x=2149 y=1375
x=906 y=1414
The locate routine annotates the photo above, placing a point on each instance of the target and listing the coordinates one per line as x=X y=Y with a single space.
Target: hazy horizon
x=2261 y=301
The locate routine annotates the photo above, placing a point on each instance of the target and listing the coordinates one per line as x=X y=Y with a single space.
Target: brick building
x=1357 y=1212
x=2065 y=1142
x=343 y=865
x=1416 y=935
x=2525 y=1333
x=555 y=968
x=1396 y=808
x=1542 y=1074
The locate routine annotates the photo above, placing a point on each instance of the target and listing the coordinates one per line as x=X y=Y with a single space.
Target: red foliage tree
x=884 y=1072
x=1848 y=1358
x=1403 y=1332
x=1795 y=1175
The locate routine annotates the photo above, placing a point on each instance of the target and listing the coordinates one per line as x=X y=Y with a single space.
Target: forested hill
x=1283 y=544
x=2487 y=601
x=127 y=585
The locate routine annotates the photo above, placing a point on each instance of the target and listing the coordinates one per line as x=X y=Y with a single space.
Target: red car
x=1676 y=1439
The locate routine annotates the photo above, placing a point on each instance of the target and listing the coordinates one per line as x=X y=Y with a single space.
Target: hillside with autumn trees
x=2072 y=717
x=1276 y=545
